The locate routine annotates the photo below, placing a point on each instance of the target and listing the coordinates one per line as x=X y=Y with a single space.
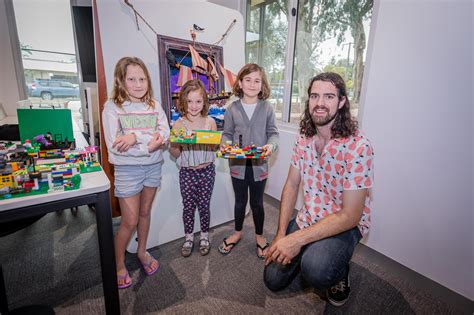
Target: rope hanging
x=127 y=2
x=138 y=15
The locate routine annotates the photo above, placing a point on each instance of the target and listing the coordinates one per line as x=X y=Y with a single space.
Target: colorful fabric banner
x=185 y=74
x=199 y=64
x=229 y=76
x=212 y=70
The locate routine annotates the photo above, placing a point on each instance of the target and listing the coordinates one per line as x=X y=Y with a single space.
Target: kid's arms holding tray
x=193 y=106
x=176 y=148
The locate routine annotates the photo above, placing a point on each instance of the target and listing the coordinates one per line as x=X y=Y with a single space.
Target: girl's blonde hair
x=190 y=86
x=246 y=70
x=119 y=92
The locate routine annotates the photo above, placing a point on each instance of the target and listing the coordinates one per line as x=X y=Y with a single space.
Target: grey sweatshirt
x=259 y=130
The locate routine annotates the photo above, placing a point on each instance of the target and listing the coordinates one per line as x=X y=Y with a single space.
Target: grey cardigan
x=259 y=130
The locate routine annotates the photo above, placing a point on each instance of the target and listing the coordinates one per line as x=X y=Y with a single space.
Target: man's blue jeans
x=322 y=264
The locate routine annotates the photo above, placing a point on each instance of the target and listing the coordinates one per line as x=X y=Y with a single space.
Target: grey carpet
x=55 y=261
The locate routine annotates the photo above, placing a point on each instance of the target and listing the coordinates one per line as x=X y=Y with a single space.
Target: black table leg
x=107 y=253
x=3 y=294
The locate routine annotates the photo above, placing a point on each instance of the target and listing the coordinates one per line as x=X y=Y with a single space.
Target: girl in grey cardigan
x=250 y=120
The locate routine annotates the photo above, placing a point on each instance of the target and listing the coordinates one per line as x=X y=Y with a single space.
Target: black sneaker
x=338 y=294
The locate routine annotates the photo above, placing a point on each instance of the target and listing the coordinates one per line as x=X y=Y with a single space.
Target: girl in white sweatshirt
x=135 y=127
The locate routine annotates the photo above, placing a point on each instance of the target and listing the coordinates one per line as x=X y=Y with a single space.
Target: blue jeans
x=322 y=263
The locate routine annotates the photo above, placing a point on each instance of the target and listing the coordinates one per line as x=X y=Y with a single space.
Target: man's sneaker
x=339 y=294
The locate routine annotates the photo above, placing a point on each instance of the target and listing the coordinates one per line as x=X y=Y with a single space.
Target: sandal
x=262 y=248
x=148 y=267
x=122 y=281
x=224 y=245
x=187 y=248
x=204 y=246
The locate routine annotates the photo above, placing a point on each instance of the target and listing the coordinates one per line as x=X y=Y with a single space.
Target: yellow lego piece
x=208 y=137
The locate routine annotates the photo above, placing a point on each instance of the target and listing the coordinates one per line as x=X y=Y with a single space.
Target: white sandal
x=204 y=246
x=187 y=248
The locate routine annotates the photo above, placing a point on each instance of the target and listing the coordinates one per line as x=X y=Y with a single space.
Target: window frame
x=290 y=60
x=15 y=46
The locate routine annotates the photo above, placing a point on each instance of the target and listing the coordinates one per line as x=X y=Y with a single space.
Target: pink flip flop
x=147 y=266
x=124 y=284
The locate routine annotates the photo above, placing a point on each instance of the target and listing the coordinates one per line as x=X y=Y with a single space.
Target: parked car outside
x=49 y=89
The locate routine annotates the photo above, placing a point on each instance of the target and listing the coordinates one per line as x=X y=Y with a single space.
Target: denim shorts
x=130 y=179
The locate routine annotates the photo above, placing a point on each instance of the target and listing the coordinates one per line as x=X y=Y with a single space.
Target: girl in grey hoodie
x=250 y=120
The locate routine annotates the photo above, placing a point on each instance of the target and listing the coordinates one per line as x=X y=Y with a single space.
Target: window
x=48 y=54
x=267 y=32
x=327 y=36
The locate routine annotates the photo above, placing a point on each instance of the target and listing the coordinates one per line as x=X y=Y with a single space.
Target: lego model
x=47 y=143
x=28 y=170
x=247 y=152
x=195 y=136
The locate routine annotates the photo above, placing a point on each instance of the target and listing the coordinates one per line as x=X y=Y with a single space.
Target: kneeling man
x=334 y=162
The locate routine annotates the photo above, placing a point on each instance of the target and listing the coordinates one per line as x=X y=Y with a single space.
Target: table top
x=9 y=120
x=90 y=183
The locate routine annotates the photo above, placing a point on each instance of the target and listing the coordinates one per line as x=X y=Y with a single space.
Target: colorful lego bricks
x=247 y=152
x=27 y=170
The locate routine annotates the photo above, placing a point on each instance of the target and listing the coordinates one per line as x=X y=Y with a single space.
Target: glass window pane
x=267 y=32
x=327 y=33
x=48 y=53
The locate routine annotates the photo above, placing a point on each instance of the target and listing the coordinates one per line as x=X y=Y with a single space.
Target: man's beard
x=323 y=121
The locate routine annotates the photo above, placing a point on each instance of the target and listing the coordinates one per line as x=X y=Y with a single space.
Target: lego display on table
x=31 y=169
x=247 y=152
x=195 y=136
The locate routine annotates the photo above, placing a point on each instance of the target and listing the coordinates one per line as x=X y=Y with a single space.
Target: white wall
x=120 y=37
x=9 y=94
x=418 y=113
x=280 y=164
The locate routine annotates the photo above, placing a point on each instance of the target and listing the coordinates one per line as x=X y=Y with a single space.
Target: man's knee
x=273 y=279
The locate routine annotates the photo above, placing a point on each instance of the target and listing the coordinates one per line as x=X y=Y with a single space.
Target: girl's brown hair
x=190 y=86
x=119 y=92
x=246 y=70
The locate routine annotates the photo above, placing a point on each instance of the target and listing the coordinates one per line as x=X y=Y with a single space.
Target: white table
x=9 y=120
x=94 y=189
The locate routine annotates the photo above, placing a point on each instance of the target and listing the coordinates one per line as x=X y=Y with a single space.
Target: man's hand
x=268 y=149
x=283 y=250
x=155 y=142
x=123 y=143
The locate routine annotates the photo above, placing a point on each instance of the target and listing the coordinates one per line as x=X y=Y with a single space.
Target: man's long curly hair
x=344 y=125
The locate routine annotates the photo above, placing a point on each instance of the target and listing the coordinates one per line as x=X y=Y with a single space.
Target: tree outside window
x=331 y=35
